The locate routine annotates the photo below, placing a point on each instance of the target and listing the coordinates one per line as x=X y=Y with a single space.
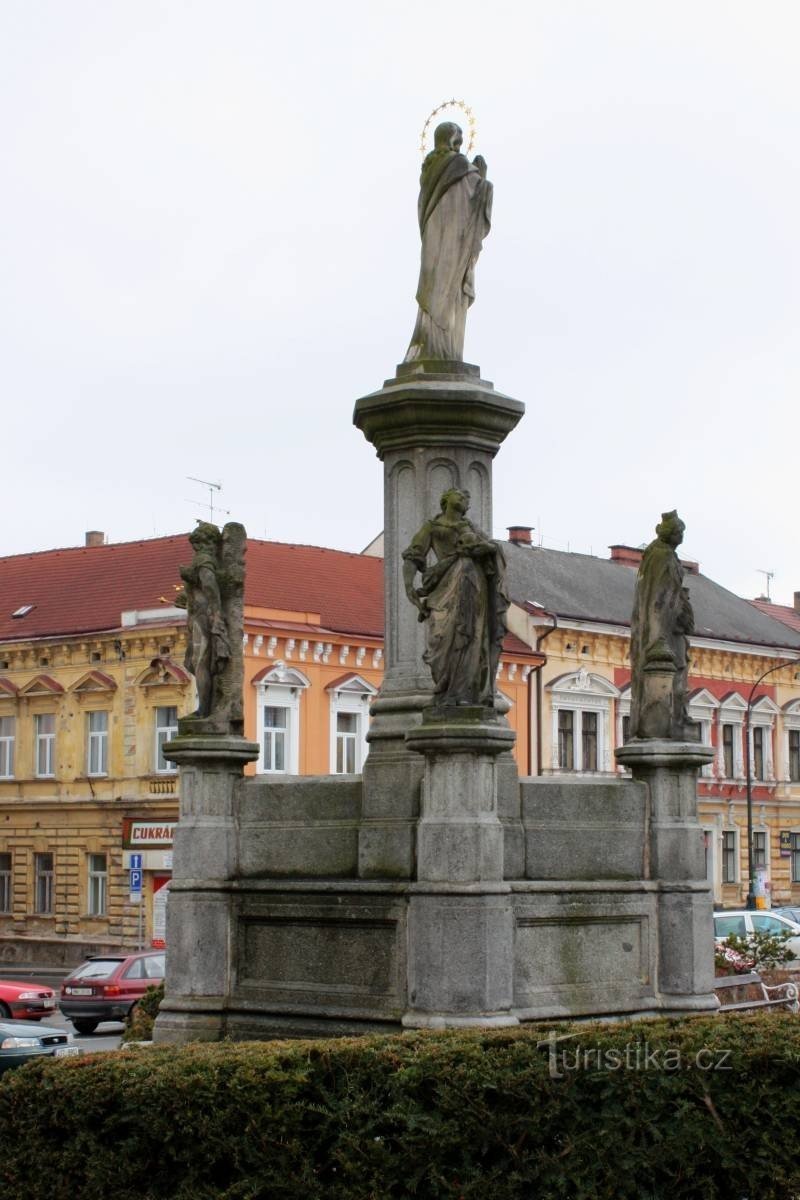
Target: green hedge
x=462 y=1116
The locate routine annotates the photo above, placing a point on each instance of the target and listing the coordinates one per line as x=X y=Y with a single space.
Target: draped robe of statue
x=455 y=205
x=662 y=620
x=464 y=600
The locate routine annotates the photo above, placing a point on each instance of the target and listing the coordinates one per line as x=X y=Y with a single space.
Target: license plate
x=73 y=991
x=63 y=1051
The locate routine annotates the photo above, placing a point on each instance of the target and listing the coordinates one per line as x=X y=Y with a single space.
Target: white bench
x=788 y=999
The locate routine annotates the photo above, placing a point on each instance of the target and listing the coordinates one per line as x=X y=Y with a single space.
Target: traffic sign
x=136 y=879
x=136 y=862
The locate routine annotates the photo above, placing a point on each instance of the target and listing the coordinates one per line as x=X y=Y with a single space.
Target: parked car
x=748 y=921
x=20 y=1041
x=25 y=1001
x=792 y=913
x=106 y=988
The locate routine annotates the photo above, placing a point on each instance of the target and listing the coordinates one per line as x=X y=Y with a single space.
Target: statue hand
x=480 y=162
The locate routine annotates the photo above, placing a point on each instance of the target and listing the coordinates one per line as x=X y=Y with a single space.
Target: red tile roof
x=85 y=589
x=780 y=612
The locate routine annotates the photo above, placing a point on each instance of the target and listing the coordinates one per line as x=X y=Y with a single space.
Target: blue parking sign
x=136 y=879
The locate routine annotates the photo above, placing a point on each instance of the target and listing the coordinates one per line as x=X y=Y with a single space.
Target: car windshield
x=97 y=968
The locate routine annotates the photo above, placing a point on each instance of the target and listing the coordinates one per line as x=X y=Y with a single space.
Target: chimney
x=95 y=537
x=691 y=568
x=520 y=535
x=797 y=602
x=628 y=556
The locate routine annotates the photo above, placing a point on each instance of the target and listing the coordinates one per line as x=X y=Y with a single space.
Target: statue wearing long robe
x=463 y=599
x=455 y=205
x=662 y=620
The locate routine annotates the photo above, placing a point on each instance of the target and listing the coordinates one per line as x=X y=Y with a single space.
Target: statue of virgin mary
x=455 y=206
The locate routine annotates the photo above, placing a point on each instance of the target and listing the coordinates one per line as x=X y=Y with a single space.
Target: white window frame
x=702 y=709
x=791 y=723
x=354 y=695
x=582 y=691
x=731 y=712
x=762 y=716
x=281 y=687
x=97 y=885
x=47 y=878
x=170 y=730
x=45 y=746
x=737 y=863
x=7 y=746
x=97 y=744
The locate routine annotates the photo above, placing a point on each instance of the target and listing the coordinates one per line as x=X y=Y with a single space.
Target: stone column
x=200 y=921
x=460 y=921
x=674 y=857
x=436 y=425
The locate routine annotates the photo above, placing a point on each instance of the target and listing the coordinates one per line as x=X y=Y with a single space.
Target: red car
x=107 y=987
x=26 y=1001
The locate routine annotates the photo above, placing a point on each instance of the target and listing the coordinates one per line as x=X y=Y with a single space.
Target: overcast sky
x=210 y=250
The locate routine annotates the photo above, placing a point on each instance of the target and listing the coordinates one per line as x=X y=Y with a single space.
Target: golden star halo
x=472 y=124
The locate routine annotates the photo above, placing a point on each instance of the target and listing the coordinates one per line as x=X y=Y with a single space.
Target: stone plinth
x=460 y=921
x=434 y=426
x=199 y=913
x=675 y=857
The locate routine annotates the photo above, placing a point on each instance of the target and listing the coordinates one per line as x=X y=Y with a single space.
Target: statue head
x=671 y=528
x=204 y=536
x=455 y=498
x=448 y=136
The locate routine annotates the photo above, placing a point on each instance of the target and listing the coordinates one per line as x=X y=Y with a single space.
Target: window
x=43 y=884
x=278 y=718
x=276 y=725
x=730 y=865
x=346 y=735
x=97 y=743
x=758 y=752
x=728 y=761
x=589 y=741
x=759 y=848
x=566 y=740
x=7 y=725
x=794 y=755
x=166 y=730
x=626 y=728
x=725 y=926
x=45 y=745
x=765 y=924
x=5 y=883
x=795 y=848
x=98 y=885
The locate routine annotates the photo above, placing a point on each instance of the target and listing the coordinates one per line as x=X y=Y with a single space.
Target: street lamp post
x=751 y=858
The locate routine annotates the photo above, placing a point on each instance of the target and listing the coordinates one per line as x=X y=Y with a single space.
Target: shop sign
x=786 y=843
x=142 y=834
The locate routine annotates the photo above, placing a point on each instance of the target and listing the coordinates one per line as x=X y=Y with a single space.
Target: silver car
x=747 y=921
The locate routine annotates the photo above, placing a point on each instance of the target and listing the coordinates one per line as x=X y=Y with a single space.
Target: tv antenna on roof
x=770 y=575
x=209 y=504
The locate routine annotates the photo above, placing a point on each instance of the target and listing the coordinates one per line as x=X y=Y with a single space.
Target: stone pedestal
x=674 y=857
x=435 y=426
x=199 y=913
x=461 y=923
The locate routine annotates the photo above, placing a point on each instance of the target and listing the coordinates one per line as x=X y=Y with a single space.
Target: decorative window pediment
x=7 y=688
x=41 y=685
x=702 y=698
x=765 y=708
x=733 y=702
x=583 y=682
x=161 y=672
x=94 y=681
x=352 y=683
x=281 y=675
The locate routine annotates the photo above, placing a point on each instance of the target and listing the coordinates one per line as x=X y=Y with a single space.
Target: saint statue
x=455 y=207
x=662 y=620
x=463 y=599
x=213 y=596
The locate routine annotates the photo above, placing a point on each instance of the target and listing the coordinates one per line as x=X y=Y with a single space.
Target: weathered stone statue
x=455 y=206
x=662 y=619
x=213 y=596
x=463 y=598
